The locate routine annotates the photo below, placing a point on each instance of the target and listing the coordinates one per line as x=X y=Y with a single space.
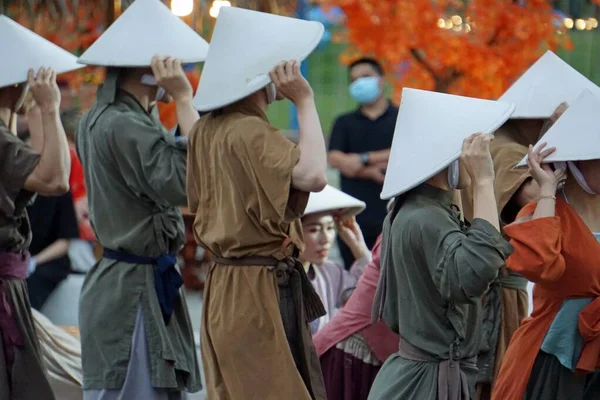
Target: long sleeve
x=462 y=264
x=350 y=279
x=152 y=162
x=537 y=243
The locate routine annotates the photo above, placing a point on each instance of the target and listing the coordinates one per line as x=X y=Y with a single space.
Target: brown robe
x=239 y=186
x=27 y=378
x=508 y=148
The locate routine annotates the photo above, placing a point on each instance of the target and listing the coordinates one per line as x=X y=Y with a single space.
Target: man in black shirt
x=360 y=144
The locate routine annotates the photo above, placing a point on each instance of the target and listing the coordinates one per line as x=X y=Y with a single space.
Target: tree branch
x=416 y=53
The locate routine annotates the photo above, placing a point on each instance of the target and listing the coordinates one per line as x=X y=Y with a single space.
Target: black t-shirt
x=52 y=218
x=356 y=133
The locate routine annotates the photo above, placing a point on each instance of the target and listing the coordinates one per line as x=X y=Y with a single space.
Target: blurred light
x=569 y=23
x=467 y=28
x=588 y=25
x=457 y=28
x=216 y=7
x=441 y=23
x=456 y=20
x=580 y=24
x=594 y=22
x=182 y=8
x=448 y=24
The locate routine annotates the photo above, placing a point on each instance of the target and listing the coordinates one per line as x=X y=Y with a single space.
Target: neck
x=439 y=180
x=305 y=264
x=375 y=109
x=139 y=92
x=586 y=205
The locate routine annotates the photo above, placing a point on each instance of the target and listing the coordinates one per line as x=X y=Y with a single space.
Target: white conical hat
x=576 y=134
x=245 y=46
x=332 y=199
x=546 y=84
x=23 y=49
x=429 y=133
x=146 y=28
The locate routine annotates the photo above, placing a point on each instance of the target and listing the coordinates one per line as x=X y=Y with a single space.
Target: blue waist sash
x=167 y=280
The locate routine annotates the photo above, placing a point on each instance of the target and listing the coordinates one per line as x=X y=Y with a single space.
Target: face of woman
x=591 y=172
x=319 y=234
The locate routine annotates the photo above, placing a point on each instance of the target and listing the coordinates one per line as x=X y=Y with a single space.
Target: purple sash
x=12 y=266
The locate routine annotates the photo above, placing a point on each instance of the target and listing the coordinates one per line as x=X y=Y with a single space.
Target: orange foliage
x=492 y=44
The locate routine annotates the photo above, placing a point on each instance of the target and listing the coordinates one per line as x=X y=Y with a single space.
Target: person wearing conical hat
x=540 y=95
x=555 y=354
x=42 y=168
x=248 y=186
x=434 y=267
x=328 y=212
x=136 y=335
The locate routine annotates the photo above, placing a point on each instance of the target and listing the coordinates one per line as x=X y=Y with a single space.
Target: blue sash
x=167 y=280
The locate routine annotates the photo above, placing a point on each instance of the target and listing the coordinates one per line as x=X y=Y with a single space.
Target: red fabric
x=560 y=255
x=355 y=316
x=76 y=180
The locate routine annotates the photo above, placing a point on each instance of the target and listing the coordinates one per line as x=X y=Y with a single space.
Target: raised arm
x=309 y=173
x=51 y=175
x=169 y=74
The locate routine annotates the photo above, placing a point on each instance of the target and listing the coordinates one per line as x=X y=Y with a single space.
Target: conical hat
x=23 y=49
x=429 y=133
x=245 y=46
x=332 y=199
x=576 y=134
x=146 y=28
x=546 y=84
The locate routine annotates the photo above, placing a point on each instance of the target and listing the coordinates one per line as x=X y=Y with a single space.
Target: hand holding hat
x=44 y=89
x=477 y=159
x=169 y=75
x=351 y=234
x=546 y=178
x=290 y=83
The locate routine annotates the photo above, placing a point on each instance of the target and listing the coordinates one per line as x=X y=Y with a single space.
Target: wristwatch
x=364 y=158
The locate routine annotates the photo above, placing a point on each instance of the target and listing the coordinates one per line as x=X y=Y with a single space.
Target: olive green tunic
x=135 y=177
x=436 y=270
x=27 y=379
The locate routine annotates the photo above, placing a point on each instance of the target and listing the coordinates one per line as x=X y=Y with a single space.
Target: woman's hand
x=44 y=89
x=546 y=178
x=477 y=159
x=290 y=83
x=169 y=75
x=351 y=234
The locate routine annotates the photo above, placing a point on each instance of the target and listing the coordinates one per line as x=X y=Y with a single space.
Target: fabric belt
x=167 y=280
x=12 y=266
x=452 y=381
x=289 y=271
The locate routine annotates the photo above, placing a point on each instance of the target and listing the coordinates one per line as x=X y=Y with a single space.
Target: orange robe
x=560 y=255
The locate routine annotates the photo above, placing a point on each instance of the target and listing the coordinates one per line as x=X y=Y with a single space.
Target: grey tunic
x=135 y=178
x=27 y=379
x=436 y=271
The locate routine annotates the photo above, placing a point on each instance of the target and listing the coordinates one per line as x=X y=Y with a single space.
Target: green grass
x=330 y=80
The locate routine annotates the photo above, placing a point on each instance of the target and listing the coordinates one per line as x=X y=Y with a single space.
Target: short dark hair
x=369 y=61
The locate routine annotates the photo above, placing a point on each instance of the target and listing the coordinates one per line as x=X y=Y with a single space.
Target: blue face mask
x=365 y=90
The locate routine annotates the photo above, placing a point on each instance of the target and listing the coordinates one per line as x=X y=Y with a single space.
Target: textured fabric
x=138 y=382
x=355 y=317
x=550 y=380
x=349 y=369
x=239 y=187
x=434 y=271
x=135 y=180
x=559 y=254
x=332 y=282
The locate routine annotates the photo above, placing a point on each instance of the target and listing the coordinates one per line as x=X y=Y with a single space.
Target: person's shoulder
x=421 y=216
x=346 y=117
